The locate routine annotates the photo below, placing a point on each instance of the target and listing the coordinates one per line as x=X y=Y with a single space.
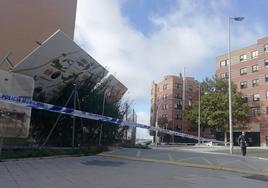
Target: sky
x=140 y=41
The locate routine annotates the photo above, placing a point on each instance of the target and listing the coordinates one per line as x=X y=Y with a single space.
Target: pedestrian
x=243 y=143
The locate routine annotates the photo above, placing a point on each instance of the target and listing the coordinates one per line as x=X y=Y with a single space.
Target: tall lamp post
x=229 y=80
x=199 y=112
x=156 y=125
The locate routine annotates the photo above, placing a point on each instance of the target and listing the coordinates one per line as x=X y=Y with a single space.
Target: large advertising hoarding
x=114 y=87
x=57 y=62
x=15 y=119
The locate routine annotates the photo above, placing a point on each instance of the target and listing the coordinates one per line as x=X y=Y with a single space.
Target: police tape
x=26 y=102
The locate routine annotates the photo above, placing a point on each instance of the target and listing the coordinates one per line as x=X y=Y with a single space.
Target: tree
x=87 y=131
x=162 y=122
x=215 y=107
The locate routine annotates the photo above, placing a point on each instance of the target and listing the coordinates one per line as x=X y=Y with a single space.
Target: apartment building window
x=165 y=86
x=255 y=111
x=178 y=96
x=178 y=86
x=178 y=116
x=165 y=97
x=243 y=85
x=245 y=99
x=266 y=78
x=243 y=71
x=243 y=57
x=165 y=106
x=256 y=97
x=266 y=48
x=254 y=54
x=190 y=102
x=178 y=106
x=266 y=63
x=255 y=82
x=255 y=68
x=165 y=116
x=224 y=75
x=224 y=63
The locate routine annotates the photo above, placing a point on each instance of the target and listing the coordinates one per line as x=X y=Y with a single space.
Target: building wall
x=169 y=92
x=27 y=21
x=258 y=108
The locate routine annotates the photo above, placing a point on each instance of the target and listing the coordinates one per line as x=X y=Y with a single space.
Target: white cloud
x=144 y=118
x=190 y=35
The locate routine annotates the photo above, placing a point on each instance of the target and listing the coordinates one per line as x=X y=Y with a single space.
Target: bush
x=139 y=146
x=29 y=153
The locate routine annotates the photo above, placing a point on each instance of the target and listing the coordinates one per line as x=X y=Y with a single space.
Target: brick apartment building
x=250 y=74
x=167 y=100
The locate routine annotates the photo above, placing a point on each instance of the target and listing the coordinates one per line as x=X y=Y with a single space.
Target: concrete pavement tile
x=10 y=184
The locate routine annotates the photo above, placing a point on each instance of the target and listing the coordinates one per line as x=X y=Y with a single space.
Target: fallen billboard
x=114 y=88
x=57 y=62
x=15 y=119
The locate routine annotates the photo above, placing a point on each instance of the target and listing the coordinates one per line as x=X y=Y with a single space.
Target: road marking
x=170 y=157
x=206 y=160
x=265 y=170
x=138 y=153
x=185 y=164
x=189 y=158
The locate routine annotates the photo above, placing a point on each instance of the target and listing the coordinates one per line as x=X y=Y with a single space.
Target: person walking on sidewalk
x=243 y=143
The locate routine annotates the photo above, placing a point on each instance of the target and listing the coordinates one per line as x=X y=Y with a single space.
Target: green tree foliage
x=215 y=106
x=86 y=130
x=162 y=122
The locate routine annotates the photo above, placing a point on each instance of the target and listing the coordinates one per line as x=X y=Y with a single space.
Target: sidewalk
x=258 y=152
x=199 y=157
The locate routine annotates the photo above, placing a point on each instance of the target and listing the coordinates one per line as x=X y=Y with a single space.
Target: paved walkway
x=109 y=172
x=261 y=152
x=196 y=158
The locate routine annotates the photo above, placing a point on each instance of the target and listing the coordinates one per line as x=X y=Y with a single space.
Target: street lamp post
x=229 y=80
x=156 y=125
x=199 y=111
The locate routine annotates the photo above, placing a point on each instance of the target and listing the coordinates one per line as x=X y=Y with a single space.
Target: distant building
x=26 y=24
x=170 y=97
x=250 y=74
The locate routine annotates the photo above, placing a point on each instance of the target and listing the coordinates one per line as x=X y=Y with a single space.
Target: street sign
x=14 y=118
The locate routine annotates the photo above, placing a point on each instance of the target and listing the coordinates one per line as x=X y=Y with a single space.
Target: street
x=101 y=172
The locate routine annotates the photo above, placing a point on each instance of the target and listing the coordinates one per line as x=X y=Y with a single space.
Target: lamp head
x=238 y=18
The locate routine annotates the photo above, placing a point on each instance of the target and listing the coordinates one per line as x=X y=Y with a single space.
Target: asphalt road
x=215 y=160
x=104 y=172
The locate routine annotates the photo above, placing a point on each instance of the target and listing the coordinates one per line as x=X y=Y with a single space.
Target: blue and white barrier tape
x=73 y=112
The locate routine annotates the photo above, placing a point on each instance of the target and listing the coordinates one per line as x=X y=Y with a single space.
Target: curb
x=192 y=165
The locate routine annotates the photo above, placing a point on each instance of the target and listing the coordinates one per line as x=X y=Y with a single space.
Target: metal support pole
x=230 y=89
x=81 y=119
x=102 y=113
x=183 y=98
x=1 y=145
x=199 y=111
x=73 y=132
x=56 y=122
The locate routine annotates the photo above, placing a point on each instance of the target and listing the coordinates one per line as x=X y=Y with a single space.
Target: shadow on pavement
x=258 y=177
